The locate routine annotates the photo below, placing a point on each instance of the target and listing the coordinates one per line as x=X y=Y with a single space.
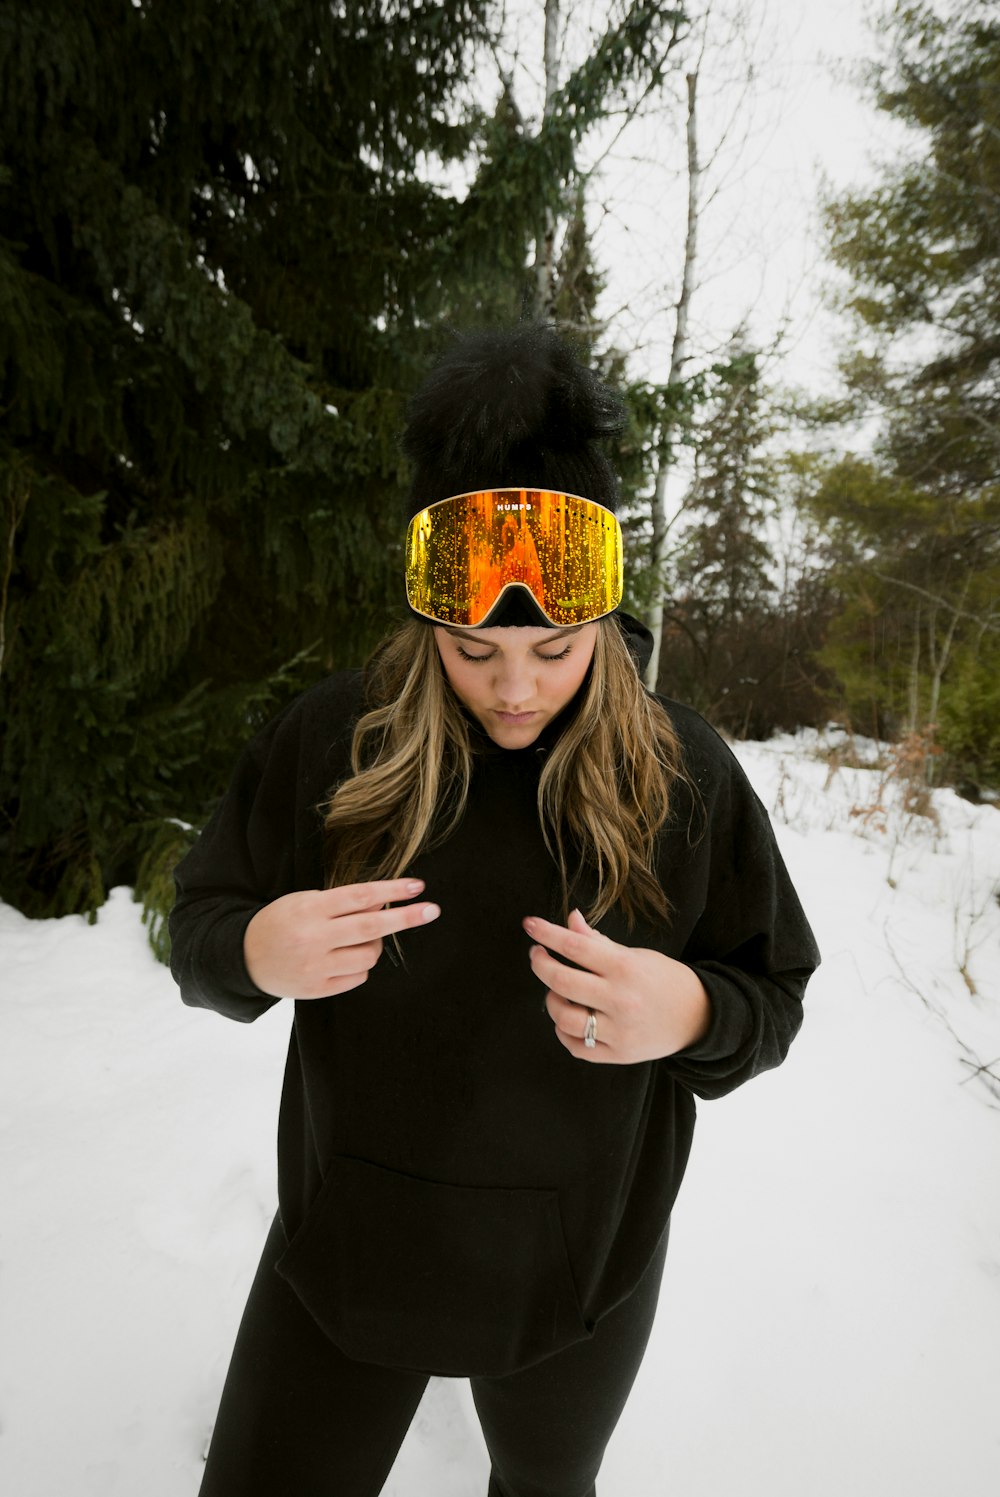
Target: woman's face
x=515 y=681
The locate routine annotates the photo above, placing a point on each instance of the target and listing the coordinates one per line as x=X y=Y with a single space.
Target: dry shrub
x=908 y=767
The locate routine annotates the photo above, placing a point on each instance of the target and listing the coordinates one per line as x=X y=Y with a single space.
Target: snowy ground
x=830 y=1321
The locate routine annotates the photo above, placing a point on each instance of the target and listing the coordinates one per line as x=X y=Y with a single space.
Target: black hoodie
x=460 y=1194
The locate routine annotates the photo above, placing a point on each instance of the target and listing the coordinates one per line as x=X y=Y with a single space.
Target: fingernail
x=414 y=885
x=431 y=911
x=529 y=922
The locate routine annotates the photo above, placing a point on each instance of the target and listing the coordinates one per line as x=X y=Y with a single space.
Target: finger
x=343 y=961
x=374 y=925
x=584 y=988
x=571 y=1018
x=587 y=948
x=345 y=968
x=601 y=1054
x=347 y=899
x=331 y=987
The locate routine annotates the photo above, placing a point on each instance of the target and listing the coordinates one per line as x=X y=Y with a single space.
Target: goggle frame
x=570 y=559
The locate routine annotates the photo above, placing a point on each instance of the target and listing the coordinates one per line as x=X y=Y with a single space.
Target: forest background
x=232 y=238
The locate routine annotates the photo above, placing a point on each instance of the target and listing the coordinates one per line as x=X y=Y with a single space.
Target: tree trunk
x=678 y=356
x=913 y=724
x=18 y=490
x=940 y=657
x=545 y=237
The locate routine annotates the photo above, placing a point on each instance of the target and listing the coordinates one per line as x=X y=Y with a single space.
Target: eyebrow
x=476 y=638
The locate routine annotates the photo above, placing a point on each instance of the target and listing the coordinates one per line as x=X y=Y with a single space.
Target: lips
x=514 y=718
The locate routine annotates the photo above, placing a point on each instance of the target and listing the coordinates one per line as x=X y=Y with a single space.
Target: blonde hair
x=412 y=762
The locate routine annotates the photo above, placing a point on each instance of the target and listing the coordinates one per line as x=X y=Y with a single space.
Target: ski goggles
x=464 y=553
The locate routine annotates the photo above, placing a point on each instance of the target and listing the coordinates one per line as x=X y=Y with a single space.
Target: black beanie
x=511 y=409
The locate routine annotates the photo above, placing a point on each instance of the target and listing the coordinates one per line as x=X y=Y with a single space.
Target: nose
x=514 y=684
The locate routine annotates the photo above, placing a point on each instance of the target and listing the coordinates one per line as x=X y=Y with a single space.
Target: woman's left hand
x=646 y=1005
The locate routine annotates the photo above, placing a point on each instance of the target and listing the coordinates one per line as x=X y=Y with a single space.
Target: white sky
x=767 y=148
x=800 y=122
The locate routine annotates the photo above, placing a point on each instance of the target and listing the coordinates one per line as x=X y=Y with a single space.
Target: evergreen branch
x=260 y=385
x=627 y=50
x=631 y=113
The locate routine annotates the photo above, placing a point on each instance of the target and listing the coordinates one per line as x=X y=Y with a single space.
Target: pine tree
x=921 y=252
x=723 y=592
x=226 y=256
x=217 y=244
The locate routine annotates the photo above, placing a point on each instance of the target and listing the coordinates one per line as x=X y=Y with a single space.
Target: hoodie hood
x=637 y=638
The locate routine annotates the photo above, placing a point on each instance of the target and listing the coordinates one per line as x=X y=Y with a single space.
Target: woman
x=527 y=912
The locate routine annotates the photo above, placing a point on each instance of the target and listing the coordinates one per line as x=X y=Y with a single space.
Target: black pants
x=299 y=1419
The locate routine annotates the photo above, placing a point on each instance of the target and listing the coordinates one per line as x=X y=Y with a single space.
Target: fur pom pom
x=507 y=408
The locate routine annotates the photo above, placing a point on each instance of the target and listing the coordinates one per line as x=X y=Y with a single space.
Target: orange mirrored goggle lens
x=461 y=554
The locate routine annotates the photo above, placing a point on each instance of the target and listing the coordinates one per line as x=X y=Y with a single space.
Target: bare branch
x=985 y=621
x=977 y=1069
x=634 y=111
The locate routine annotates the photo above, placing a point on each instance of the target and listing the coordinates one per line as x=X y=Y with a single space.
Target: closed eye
x=478 y=659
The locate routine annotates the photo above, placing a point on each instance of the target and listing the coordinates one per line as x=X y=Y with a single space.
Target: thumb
x=577 y=923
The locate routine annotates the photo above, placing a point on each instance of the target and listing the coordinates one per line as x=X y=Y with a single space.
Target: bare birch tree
x=678 y=358
x=601 y=66
x=623 y=80
x=545 y=238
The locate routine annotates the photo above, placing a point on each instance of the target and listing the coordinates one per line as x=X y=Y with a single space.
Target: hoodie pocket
x=449 y=1279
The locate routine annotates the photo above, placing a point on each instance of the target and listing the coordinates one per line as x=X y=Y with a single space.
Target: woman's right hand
x=321 y=942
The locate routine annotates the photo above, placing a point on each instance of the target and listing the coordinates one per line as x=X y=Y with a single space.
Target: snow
x=830 y=1318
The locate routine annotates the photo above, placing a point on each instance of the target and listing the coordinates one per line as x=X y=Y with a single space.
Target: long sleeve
x=263 y=840
x=751 y=944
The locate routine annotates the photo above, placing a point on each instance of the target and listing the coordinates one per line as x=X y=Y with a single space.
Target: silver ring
x=590 y=1032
